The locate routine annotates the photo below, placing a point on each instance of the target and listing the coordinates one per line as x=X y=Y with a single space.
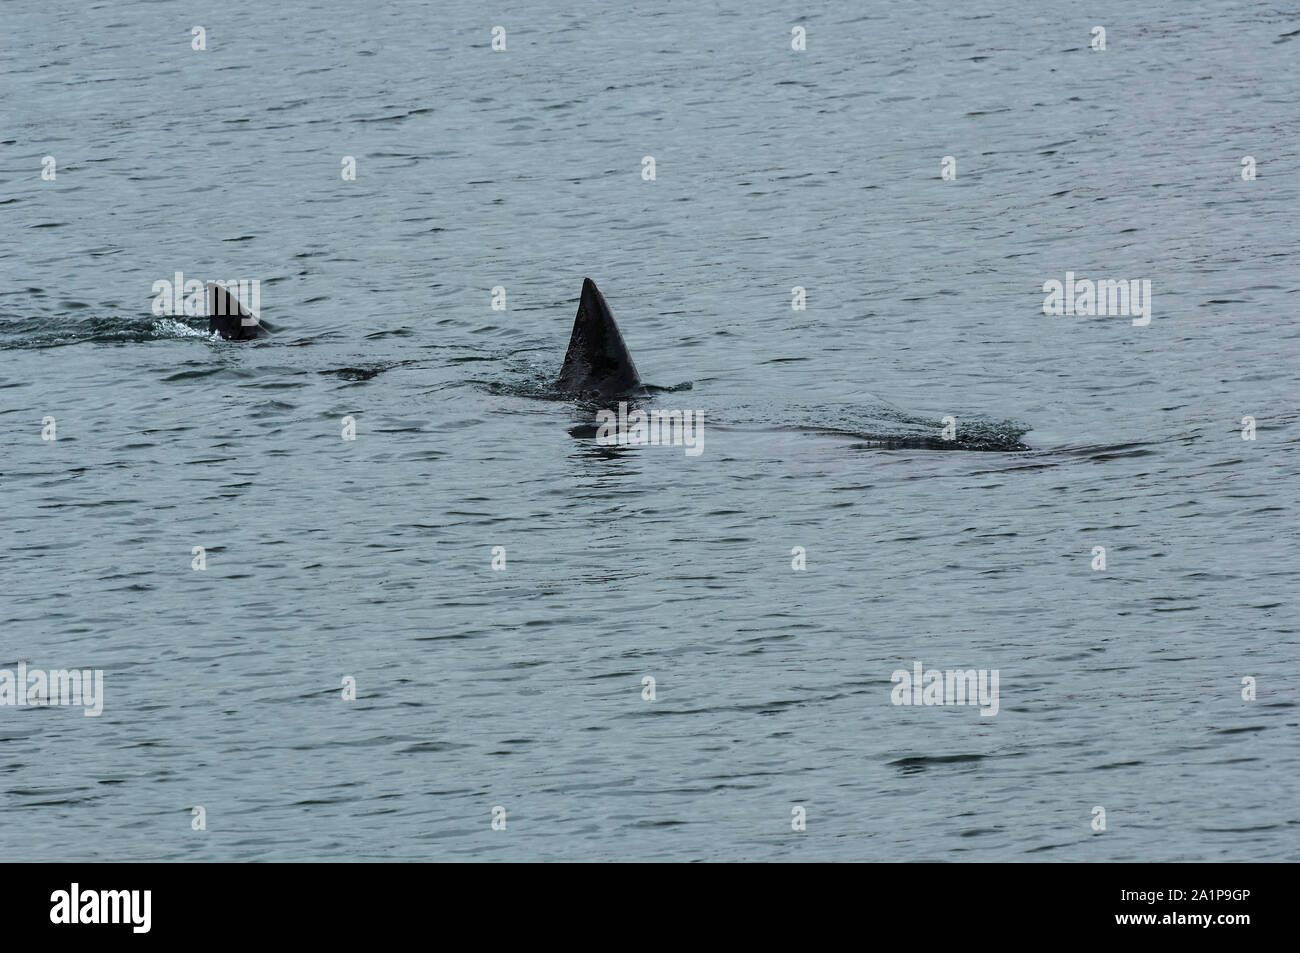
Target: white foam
x=171 y=328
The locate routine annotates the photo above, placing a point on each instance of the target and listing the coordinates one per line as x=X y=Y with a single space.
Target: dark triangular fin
x=597 y=360
x=227 y=316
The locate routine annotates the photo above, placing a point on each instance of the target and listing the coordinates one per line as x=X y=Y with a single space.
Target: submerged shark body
x=597 y=363
x=598 y=369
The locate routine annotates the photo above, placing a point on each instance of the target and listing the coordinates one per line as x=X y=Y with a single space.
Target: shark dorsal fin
x=227 y=316
x=597 y=360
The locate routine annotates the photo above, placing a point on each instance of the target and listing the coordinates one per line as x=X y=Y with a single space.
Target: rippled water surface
x=522 y=688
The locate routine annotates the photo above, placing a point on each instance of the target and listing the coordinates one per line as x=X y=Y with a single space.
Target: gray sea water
x=522 y=688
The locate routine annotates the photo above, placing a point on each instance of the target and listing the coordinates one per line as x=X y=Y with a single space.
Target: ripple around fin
x=362 y=372
x=43 y=332
x=989 y=441
x=914 y=764
x=539 y=388
x=887 y=427
x=973 y=434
